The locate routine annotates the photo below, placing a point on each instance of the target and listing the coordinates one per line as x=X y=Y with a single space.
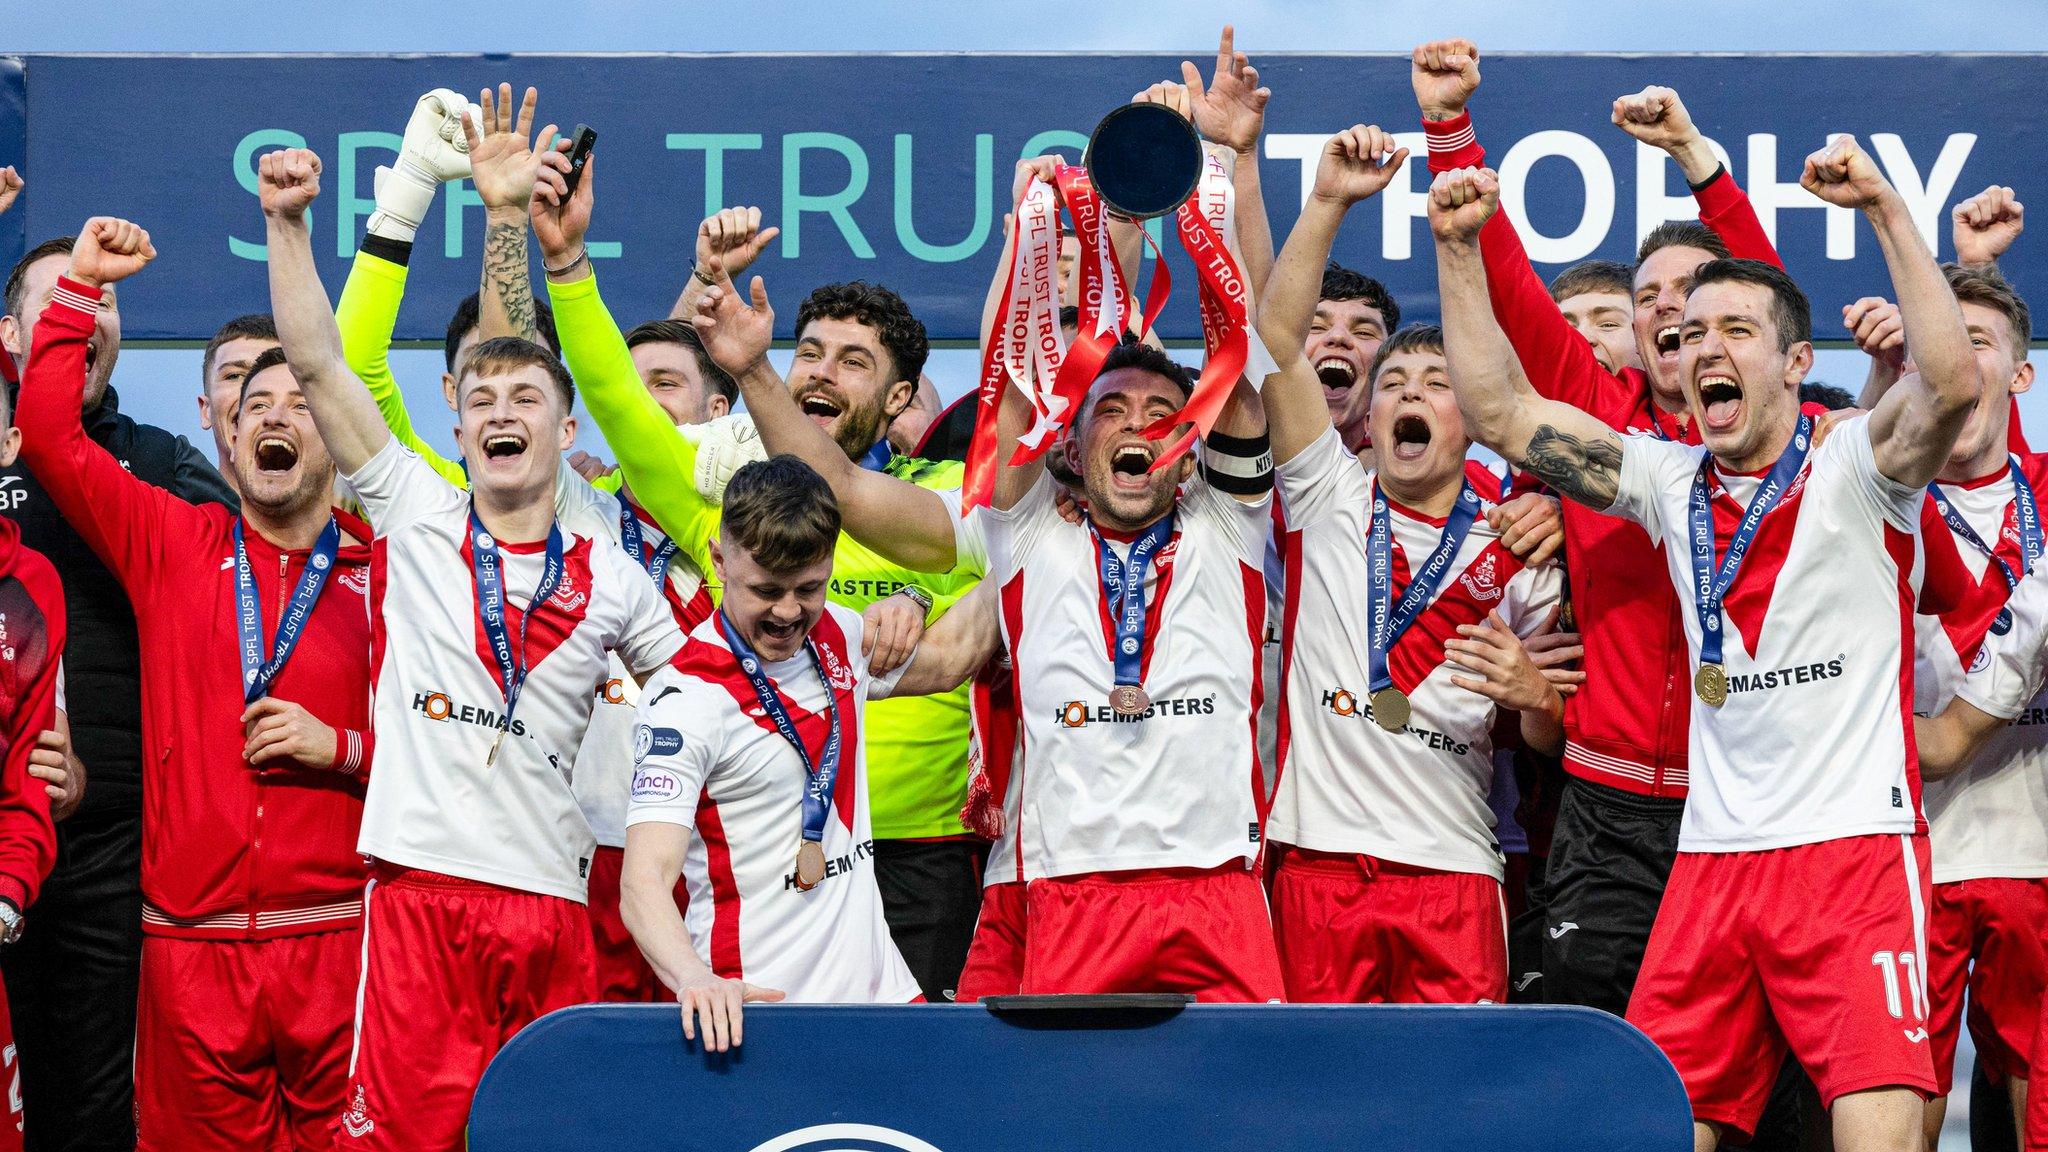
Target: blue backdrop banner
x=944 y=1078
x=897 y=167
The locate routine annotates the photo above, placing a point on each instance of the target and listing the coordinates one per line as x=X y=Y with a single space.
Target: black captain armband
x=1241 y=466
x=1716 y=174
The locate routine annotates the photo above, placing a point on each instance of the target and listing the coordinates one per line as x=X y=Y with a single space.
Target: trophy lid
x=1144 y=160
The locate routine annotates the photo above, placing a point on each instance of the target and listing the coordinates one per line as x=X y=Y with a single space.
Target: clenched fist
x=287 y=182
x=1461 y=201
x=1444 y=73
x=109 y=250
x=1844 y=175
x=732 y=239
x=1985 y=225
x=11 y=185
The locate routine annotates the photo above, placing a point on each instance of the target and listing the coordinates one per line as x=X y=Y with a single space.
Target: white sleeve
x=1010 y=534
x=1530 y=597
x=397 y=488
x=2008 y=675
x=1898 y=503
x=650 y=636
x=677 y=739
x=1322 y=479
x=1247 y=524
x=60 y=686
x=970 y=538
x=1650 y=467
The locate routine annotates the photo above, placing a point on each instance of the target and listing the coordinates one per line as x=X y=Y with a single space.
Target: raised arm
x=1231 y=110
x=1986 y=225
x=349 y=423
x=1914 y=428
x=954 y=648
x=505 y=163
x=1014 y=413
x=1657 y=117
x=730 y=238
x=657 y=460
x=1565 y=447
x=1356 y=165
x=908 y=525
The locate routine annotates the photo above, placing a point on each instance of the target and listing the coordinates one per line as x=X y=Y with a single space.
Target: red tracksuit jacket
x=31 y=644
x=229 y=852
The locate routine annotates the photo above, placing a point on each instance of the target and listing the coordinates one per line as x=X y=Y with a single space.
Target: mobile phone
x=579 y=153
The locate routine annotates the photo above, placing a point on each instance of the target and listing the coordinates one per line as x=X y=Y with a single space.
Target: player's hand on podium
x=711 y=1006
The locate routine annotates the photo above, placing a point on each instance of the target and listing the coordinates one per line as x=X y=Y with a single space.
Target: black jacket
x=102 y=658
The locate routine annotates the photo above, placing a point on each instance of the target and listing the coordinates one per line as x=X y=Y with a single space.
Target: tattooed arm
x=1568 y=449
x=505 y=301
x=506 y=160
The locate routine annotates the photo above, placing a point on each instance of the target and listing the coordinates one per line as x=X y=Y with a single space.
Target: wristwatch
x=10 y=922
x=919 y=595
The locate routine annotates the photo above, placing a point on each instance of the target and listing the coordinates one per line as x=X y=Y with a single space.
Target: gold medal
x=810 y=864
x=1129 y=700
x=1390 y=709
x=1711 y=684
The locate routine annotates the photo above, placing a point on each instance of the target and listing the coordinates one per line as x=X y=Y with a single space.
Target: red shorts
x=1816 y=947
x=995 y=960
x=452 y=969
x=1358 y=930
x=623 y=974
x=1988 y=934
x=243 y=1043
x=10 y=1071
x=2037 y=1085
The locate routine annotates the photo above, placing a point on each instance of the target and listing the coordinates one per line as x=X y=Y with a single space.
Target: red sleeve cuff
x=14 y=892
x=1718 y=194
x=351 y=751
x=74 y=300
x=1452 y=143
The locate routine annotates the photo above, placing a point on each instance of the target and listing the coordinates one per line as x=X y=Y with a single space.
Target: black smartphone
x=579 y=153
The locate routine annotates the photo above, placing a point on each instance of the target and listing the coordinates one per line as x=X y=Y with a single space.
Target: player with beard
x=756 y=725
x=222 y=368
x=500 y=152
x=1795 y=916
x=1135 y=815
x=474 y=921
x=858 y=358
x=256 y=683
x=1625 y=730
x=1989 y=911
x=72 y=983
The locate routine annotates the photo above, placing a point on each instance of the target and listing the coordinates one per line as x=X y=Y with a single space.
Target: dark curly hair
x=1341 y=283
x=901 y=332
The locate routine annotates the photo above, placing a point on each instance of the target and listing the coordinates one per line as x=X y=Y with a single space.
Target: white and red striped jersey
x=433 y=802
x=1991 y=818
x=1417 y=796
x=708 y=757
x=604 y=761
x=1815 y=741
x=1179 y=787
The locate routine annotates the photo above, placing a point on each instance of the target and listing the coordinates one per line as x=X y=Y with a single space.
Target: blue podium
x=1206 y=1078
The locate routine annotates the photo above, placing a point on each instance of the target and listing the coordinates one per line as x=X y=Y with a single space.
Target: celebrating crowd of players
x=772 y=711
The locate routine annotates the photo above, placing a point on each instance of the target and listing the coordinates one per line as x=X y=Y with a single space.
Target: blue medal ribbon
x=633 y=540
x=877 y=457
x=489 y=569
x=1711 y=582
x=2026 y=517
x=1389 y=621
x=823 y=773
x=257 y=672
x=1123 y=585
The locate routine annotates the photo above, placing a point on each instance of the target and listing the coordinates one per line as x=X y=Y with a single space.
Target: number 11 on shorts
x=1897 y=966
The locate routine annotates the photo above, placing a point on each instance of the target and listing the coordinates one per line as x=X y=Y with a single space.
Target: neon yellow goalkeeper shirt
x=917 y=746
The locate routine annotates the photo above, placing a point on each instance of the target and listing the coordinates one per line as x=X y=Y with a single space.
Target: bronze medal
x=1390 y=709
x=491 y=761
x=810 y=865
x=1129 y=700
x=1711 y=684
